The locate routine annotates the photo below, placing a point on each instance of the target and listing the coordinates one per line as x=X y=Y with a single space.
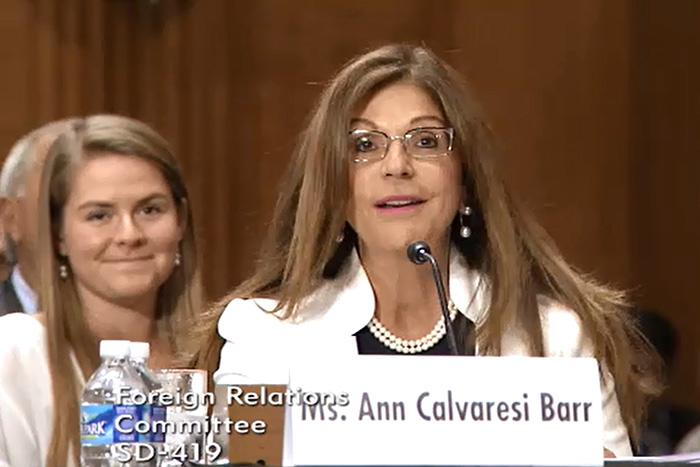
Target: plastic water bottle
x=139 y=354
x=102 y=443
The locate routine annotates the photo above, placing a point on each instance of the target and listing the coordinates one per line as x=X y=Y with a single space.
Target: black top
x=367 y=344
x=9 y=302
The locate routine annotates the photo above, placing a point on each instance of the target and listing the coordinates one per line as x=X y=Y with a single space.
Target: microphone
x=419 y=253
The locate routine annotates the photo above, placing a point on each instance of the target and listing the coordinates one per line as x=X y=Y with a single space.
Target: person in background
x=667 y=424
x=116 y=259
x=395 y=152
x=19 y=181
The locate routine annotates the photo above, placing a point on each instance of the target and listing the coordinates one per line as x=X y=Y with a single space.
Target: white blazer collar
x=347 y=302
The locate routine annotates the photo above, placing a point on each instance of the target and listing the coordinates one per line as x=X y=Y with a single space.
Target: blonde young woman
x=396 y=152
x=117 y=259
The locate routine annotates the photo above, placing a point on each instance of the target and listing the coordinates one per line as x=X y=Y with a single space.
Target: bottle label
x=96 y=424
x=125 y=417
x=103 y=424
x=158 y=414
x=145 y=416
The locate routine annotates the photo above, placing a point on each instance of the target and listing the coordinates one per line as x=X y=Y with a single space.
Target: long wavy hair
x=179 y=298
x=507 y=246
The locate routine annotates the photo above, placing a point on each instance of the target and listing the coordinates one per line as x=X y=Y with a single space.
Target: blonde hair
x=179 y=298
x=516 y=255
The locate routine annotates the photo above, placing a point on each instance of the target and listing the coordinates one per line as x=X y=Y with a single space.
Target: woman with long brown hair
x=117 y=259
x=396 y=151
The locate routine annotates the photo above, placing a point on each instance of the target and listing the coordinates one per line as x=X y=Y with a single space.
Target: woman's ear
x=59 y=238
x=466 y=199
x=61 y=245
x=8 y=218
x=182 y=216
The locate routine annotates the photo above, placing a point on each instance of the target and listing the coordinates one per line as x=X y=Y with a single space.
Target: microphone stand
x=419 y=253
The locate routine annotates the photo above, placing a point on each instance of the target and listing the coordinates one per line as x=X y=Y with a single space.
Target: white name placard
x=434 y=410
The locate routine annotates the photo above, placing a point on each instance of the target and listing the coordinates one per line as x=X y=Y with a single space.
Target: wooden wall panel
x=14 y=88
x=65 y=60
x=554 y=78
x=52 y=63
x=666 y=169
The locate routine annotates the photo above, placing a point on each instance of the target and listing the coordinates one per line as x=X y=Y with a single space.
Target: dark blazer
x=9 y=303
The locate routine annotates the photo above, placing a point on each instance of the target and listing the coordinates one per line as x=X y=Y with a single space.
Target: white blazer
x=26 y=401
x=260 y=347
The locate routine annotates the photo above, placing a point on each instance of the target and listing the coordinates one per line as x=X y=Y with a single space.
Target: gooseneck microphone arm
x=419 y=253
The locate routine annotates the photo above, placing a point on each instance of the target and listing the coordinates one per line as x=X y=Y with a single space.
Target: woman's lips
x=394 y=205
x=129 y=262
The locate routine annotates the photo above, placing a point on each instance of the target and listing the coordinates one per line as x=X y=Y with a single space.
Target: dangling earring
x=341 y=235
x=178 y=259
x=464 y=230
x=63 y=271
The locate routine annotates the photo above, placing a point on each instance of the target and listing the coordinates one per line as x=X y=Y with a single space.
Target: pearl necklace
x=407 y=346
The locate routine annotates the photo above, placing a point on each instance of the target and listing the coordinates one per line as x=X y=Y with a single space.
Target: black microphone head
x=416 y=252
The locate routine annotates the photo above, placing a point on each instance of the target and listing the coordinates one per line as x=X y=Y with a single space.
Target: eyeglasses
x=420 y=143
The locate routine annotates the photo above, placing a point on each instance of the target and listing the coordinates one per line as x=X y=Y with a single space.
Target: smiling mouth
x=397 y=204
x=128 y=260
